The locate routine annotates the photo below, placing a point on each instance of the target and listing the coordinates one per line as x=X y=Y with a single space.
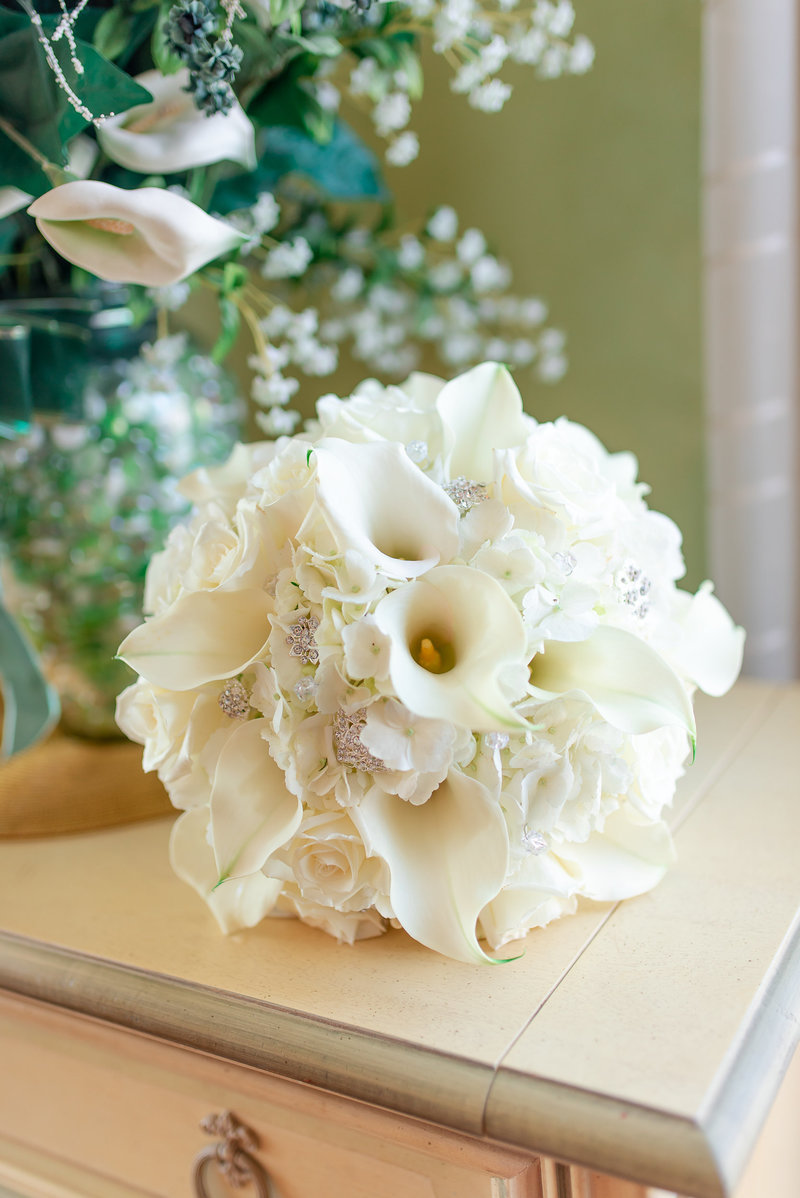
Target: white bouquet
x=423 y=665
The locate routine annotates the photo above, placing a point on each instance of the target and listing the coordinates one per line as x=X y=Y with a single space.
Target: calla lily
x=149 y=236
x=623 y=860
x=481 y=411
x=380 y=504
x=447 y=859
x=238 y=903
x=541 y=890
x=171 y=133
x=452 y=633
x=627 y=682
x=710 y=648
x=203 y=636
x=12 y=199
x=252 y=812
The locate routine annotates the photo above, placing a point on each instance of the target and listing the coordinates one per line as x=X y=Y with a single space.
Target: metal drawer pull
x=232 y=1156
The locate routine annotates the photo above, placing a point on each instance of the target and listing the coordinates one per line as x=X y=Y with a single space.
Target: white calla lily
x=380 y=504
x=203 y=636
x=12 y=199
x=710 y=647
x=541 y=890
x=627 y=682
x=452 y=633
x=236 y=904
x=252 y=812
x=447 y=859
x=170 y=133
x=149 y=236
x=623 y=860
x=481 y=411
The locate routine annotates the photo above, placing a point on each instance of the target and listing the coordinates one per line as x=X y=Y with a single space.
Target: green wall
x=589 y=187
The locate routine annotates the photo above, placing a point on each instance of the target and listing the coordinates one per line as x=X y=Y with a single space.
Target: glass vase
x=88 y=480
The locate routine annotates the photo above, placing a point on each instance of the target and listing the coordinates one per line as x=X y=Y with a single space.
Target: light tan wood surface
x=623 y=1040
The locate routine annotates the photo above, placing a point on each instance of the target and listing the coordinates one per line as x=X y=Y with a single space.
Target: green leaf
x=230 y=319
x=163 y=58
x=344 y=169
x=113 y=32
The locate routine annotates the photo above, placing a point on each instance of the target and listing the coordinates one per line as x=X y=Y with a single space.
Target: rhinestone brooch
x=466 y=493
x=347 y=741
x=234 y=700
x=301 y=639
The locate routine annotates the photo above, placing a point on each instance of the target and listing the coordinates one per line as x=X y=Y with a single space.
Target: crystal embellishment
x=497 y=740
x=466 y=493
x=301 y=639
x=533 y=842
x=635 y=587
x=234 y=700
x=347 y=741
x=304 y=688
x=417 y=451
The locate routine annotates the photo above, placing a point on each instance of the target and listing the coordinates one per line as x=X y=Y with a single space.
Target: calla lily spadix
x=447 y=858
x=171 y=133
x=204 y=635
x=481 y=411
x=149 y=236
x=378 y=503
x=452 y=633
x=627 y=682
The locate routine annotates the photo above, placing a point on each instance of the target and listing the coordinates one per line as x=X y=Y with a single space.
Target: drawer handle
x=232 y=1156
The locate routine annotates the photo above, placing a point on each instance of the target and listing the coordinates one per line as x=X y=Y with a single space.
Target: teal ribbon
x=31 y=705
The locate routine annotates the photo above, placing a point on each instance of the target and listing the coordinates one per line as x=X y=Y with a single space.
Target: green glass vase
x=100 y=425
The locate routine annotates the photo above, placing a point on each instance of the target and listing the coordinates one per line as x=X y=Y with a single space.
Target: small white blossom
x=328 y=97
x=489 y=275
x=288 y=260
x=443 y=225
x=391 y=113
x=348 y=285
x=491 y=96
x=410 y=253
x=581 y=56
x=403 y=150
x=277 y=422
x=274 y=389
x=471 y=246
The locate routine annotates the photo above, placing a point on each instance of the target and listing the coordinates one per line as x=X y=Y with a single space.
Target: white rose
x=171 y=133
x=148 y=236
x=327 y=860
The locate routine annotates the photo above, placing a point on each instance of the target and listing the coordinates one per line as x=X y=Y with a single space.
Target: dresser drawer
x=121 y=1113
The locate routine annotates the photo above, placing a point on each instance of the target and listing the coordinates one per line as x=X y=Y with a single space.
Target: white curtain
x=752 y=331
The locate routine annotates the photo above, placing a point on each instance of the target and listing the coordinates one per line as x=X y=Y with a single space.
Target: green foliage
x=342 y=169
x=32 y=102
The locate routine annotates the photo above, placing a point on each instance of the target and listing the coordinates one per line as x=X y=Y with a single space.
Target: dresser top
x=645 y=1039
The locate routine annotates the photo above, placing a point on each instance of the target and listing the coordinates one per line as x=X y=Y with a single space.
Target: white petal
x=628 y=683
x=12 y=199
x=447 y=859
x=470 y=611
x=239 y=903
x=171 y=134
x=481 y=411
x=623 y=860
x=379 y=503
x=711 y=647
x=252 y=812
x=203 y=636
x=171 y=236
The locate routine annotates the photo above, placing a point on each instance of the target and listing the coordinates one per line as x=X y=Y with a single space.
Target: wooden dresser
x=643 y=1041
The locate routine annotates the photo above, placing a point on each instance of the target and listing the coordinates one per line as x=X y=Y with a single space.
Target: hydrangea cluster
x=424 y=664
